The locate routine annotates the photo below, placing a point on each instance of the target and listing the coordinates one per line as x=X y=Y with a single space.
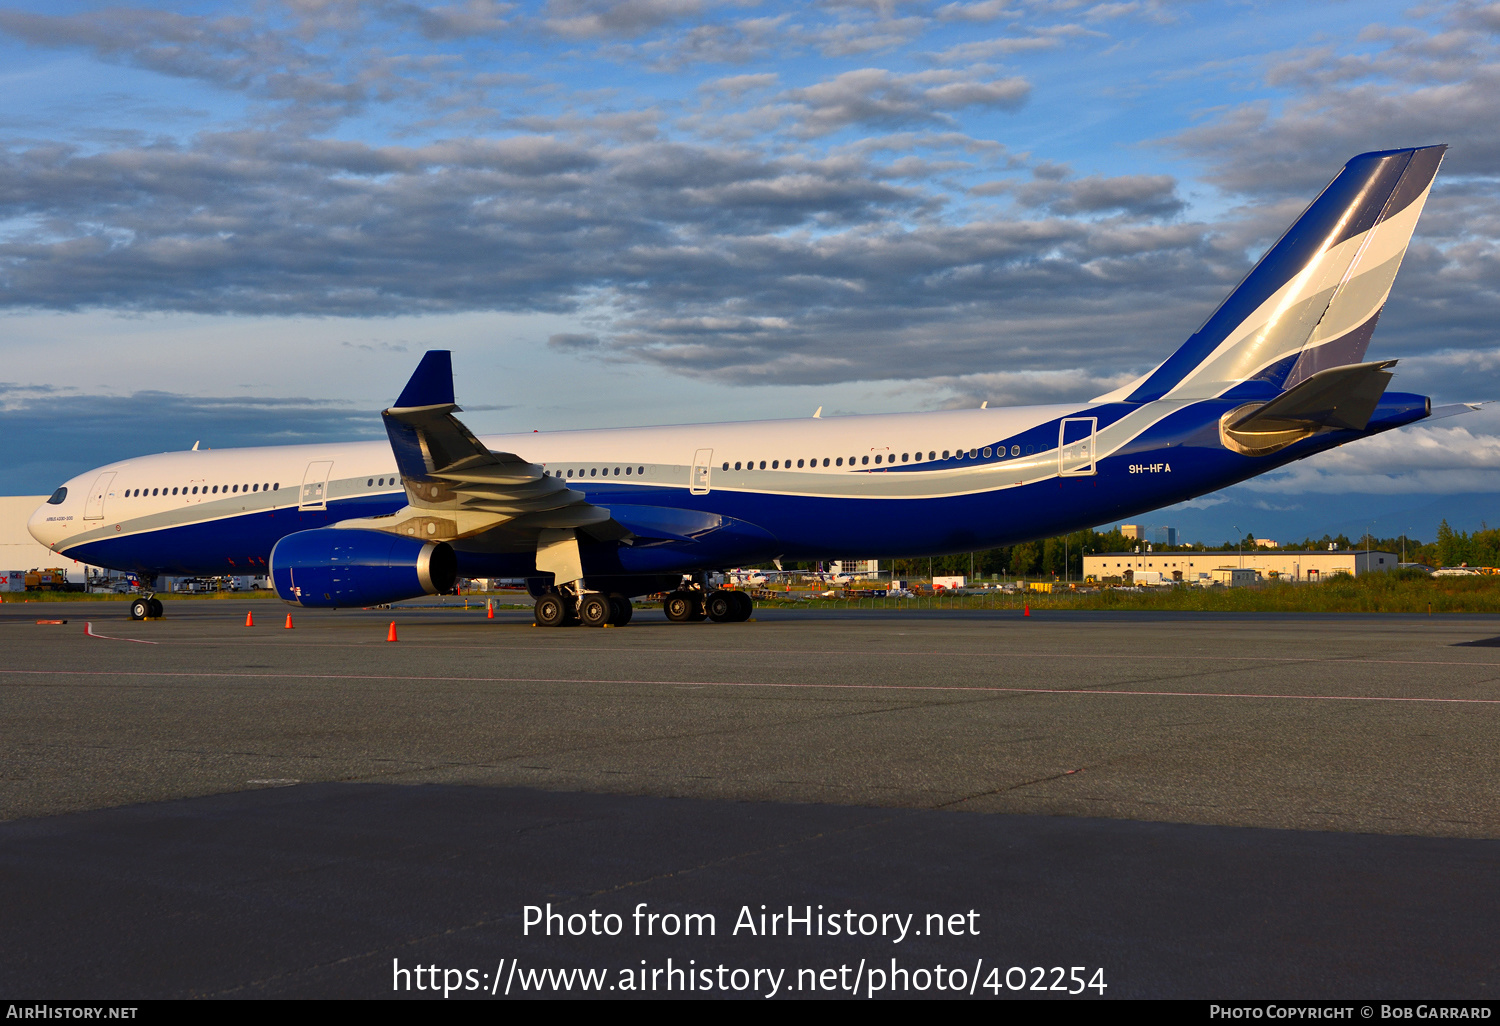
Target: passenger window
x=1030 y=449
x=839 y=461
x=986 y=452
x=726 y=464
x=153 y=491
x=639 y=471
x=216 y=490
x=865 y=460
x=236 y=488
x=825 y=461
x=973 y=453
x=736 y=464
x=877 y=458
x=276 y=487
x=762 y=464
x=799 y=464
x=904 y=455
x=945 y=454
x=617 y=472
x=593 y=472
x=627 y=471
x=1015 y=450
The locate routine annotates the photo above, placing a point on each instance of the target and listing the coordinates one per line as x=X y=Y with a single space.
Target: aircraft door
x=315 y=485
x=94 y=508
x=1075 y=446
x=703 y=465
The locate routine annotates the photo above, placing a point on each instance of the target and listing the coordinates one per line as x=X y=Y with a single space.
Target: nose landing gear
x=148 y=606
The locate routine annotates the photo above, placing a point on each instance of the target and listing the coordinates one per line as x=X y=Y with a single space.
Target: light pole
x=1241 y=544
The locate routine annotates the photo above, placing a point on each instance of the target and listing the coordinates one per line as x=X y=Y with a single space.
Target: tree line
x=1062 y=555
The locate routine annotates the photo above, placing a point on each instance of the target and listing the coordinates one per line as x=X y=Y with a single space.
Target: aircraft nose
x=47 y=531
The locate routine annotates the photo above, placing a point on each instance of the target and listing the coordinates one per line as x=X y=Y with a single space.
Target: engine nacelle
x=329 y=567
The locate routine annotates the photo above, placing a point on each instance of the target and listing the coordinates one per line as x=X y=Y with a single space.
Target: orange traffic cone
x=390 y=635
x=249 y=619
x=489 y=609
x=1028 y=610
x=289 y=621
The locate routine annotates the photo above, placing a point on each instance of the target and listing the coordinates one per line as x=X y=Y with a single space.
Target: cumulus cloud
x=752 y=227
x=876 y=98
x=583 y=19
x=1435 y=459
x=1137 y=195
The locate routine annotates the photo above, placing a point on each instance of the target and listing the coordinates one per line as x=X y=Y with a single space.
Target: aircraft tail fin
x=1312 y=301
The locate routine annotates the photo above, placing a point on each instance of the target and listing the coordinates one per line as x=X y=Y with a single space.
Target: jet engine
x=329 y=568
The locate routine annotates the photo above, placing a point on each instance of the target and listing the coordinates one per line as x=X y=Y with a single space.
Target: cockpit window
x=58 y=497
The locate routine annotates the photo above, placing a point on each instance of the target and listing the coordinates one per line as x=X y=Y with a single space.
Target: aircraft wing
x=458 y=488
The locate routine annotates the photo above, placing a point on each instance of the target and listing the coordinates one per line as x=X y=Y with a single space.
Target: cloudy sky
x=245 y=222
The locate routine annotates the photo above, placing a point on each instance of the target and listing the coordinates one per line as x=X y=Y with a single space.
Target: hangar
x=1195 y=565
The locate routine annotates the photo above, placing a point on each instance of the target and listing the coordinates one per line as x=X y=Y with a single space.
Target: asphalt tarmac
x=1198 y=805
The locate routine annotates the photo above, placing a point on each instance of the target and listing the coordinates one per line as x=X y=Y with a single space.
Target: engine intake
x=328 y=568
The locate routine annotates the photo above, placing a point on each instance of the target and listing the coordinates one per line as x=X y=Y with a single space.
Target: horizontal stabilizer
x=1340 y=398
x=1454 y=409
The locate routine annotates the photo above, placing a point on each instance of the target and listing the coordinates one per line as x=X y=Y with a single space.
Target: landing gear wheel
x=744 y=606
x=679 y=607
x=157 y=610
x=721 y=606
x=140 y=609
x=622 y=610
x=594 y=610
x=551 y=610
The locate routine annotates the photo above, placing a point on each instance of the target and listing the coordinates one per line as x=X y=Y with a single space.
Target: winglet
x=431 y=383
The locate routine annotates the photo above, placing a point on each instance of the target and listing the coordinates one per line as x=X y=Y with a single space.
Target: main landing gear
x=686 y=605
x=693 y=605
x=591 y=608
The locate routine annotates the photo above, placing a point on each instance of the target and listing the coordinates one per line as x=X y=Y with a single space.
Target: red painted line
x=88 y=628
x=757 y=684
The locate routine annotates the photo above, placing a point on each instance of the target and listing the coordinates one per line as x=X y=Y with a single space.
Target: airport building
x=1199 y=565
x=18 y=549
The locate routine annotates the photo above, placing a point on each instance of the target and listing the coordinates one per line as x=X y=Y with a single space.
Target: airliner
x=592 y=518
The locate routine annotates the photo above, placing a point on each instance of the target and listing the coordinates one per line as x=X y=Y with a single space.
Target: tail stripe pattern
x=1312 y=301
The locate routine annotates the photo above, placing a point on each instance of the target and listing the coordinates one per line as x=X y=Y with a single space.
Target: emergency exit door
x=1075 y=446
x=315 y=485
x=703 y=465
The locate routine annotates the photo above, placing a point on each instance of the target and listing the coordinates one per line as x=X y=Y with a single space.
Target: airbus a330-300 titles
x=592 y=518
